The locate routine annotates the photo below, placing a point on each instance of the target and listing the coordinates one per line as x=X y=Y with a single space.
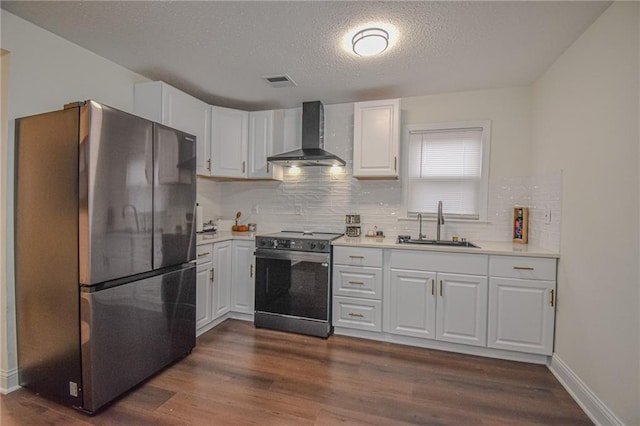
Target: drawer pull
x=351 y=314
x=356 y=257
x=203 y=254
x=552 y=302
x=356 y=282
x=523 y=268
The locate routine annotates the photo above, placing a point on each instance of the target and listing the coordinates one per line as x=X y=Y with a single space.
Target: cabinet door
x=165 y=104
x=229 y=137
x=266 y=137
x=411 y=304
x=186 y=113
x=222 y=262
x=203 y=295
x=376 y=139
x=462 y=309
x=521 y=315
x=242 y=292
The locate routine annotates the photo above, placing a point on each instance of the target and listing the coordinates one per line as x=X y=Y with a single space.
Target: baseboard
x=9 y=381
x=597 y=410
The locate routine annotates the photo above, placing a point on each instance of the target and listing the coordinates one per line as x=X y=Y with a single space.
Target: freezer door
x=132 y=331
x=174 y=197
x=116 y=190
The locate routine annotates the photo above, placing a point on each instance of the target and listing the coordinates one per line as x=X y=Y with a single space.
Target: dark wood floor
x=240 y=375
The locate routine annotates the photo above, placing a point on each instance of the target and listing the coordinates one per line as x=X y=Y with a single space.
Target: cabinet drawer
x=204 y=254
x=357 y=256
x=362 y=314
x=455 y=263
x=533 y=268
x=357 y=281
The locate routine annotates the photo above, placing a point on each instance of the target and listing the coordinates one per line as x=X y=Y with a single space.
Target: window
x=448 y=162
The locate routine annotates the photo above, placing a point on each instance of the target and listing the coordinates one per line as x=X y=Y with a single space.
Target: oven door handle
x=302 y=256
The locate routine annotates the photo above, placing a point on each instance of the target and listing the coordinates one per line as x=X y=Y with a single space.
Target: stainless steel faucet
x=420 y=234
x=440 y=220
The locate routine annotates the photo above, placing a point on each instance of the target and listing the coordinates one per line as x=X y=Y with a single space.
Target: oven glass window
x=293 y=287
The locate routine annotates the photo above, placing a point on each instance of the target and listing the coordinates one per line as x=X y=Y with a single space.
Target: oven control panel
x=293 y=244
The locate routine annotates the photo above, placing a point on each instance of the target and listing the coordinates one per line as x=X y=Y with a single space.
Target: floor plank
x=240 y=375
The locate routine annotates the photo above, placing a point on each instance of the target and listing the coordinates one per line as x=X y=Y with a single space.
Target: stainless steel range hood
x=312 y=152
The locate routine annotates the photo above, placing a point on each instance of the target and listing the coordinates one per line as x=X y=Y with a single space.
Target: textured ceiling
x=219 y=51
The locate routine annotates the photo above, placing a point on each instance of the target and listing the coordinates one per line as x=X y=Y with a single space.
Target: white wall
x=585 y=122
x=508 y=109
x=45 y=73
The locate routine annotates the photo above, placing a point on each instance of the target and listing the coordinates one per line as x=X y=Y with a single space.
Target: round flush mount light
x=370 y=41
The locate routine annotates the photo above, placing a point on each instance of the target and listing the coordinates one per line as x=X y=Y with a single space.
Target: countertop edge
x=486 y=247
x=224 y=236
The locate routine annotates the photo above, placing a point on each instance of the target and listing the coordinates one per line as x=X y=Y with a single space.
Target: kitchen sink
x=446 y=243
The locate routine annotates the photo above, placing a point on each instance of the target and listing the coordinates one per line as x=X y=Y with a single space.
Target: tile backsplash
x=319 y=199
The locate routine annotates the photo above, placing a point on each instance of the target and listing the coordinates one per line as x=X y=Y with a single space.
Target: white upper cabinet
x=229 y=140
x=157 y=101
x=266 y=137
x=376 y=139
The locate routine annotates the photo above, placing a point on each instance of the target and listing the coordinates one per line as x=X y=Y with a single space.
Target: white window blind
x=446 y=164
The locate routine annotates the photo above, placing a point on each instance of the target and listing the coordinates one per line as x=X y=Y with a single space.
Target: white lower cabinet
x=224 y=282
x=204 y=286
x=411 y=304
x=461 y=312
x=360 y=314
x=441 y=306
x=493 y=303
x=357 y=288
x=522 y=304
x=243 y=288
x=222 y=262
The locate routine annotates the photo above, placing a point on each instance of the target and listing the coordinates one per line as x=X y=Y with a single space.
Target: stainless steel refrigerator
x=105 y=251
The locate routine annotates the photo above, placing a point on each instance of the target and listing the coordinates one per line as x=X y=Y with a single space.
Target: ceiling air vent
x=280 y=81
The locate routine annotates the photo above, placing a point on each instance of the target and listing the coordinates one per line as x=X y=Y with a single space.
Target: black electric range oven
x=293 y=282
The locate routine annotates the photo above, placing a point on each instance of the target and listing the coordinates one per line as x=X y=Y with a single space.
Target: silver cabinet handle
x=211 y=274
x=251 y=271
x=356 y=282
x=203 y=254
x=351 y=314
x=552 y=302
x=523 y=268
x=356 y=257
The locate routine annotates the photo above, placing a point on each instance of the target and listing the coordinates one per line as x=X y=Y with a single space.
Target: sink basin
x=437 y=243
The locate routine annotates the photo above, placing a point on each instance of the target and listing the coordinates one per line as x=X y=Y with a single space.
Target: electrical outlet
x=254 y=209
x=297 y=209
x=547 y=216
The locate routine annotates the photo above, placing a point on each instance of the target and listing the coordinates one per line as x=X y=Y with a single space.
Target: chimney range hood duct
x=312 y=152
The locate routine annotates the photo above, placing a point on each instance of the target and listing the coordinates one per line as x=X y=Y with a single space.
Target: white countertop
x=208 y=238
x=486 y=247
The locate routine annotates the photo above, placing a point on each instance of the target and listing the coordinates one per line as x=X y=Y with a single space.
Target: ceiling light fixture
x=370 y=41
